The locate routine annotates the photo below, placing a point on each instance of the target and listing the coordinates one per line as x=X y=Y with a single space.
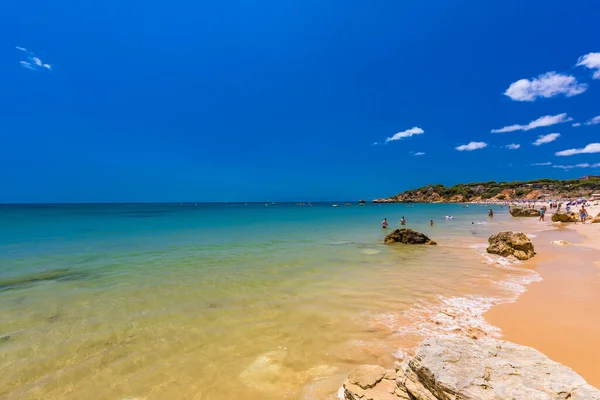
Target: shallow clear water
x=221 y=301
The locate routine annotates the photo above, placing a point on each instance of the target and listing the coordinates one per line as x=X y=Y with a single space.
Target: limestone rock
x=509 y=243
x=407 y=236
x=453 y=368
x=596 y=219
x=565 y=217
x=524 y=212
x=370 y=382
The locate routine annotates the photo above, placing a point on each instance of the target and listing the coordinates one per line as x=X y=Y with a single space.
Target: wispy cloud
x=584 y=165
x=591 y=61
x=589 y=149
x=546 y=85
x=513 y=146
x=594 y=121
x=471 y=146
x=541 y=163
x=543 y=139
x=405 y=134
x=33 y=62
x=546 y=120
x=419 y=153
x=576 y=124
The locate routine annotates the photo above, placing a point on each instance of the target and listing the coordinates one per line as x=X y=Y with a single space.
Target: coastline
x=554 y=316
x=558 y=315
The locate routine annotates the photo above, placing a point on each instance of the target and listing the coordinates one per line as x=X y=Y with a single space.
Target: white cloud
x=546 y=85
x=543 y=139
x=546 y=120
x=33 y=63
x=576 y=124
x=542 y=163
x=589 y=149
x=471 y=146
x=591 y=61
x=375 y=143
x=407 y=133
x=584 y=165
x=594 y=121
x=27 y=65
x=513 y=146
x=419 y=153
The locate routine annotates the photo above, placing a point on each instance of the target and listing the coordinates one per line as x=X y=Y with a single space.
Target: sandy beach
x=559 y=315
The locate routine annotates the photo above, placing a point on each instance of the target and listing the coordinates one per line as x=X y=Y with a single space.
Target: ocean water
x=224 y=301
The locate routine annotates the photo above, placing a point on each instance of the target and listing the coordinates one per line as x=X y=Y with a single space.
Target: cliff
x=498 y=191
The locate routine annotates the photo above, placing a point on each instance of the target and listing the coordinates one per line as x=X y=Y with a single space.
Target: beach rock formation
x=407 y=236
x=510 y=243
x=463 y=368
x=524 y=212
x=596 y=219
x=565 y=217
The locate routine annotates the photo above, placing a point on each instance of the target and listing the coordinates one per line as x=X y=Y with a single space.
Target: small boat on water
x=362 y=201
x=347 y=204
x=335 y=205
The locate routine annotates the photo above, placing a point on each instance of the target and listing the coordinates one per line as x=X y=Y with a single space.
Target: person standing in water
x=583 y=214
x=384 y=223
x=491 y=213
x=542 y=214
x=430 y=222
x=403 y=221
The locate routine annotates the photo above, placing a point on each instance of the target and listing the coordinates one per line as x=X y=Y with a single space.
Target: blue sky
x=280 y=100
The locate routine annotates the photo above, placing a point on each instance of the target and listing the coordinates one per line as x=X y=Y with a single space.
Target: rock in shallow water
x=407 y=236
x=467 y=369
x=524 y=212
x=509 y=243
x=565 y=217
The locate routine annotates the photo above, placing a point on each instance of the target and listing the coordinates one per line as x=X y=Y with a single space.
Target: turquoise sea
x=224 y=301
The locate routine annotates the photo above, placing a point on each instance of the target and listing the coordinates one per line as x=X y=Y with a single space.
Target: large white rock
x=467 y=369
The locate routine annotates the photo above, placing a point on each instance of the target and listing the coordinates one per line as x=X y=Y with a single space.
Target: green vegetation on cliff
x=516 y=190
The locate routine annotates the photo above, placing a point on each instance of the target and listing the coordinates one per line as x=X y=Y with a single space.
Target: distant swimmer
x=403 y=221
x=491 y=213
x=384 y=224
x=449 y=217
x=430 y=222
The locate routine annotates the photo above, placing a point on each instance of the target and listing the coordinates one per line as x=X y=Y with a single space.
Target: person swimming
x=403 y=221
x=384 y=223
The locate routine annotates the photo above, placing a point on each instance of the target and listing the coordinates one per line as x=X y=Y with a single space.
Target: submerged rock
x=463 y=368
x=509 y=243
x=565 y=217
x=407 y=236
x=524 y=212
x=560 y=242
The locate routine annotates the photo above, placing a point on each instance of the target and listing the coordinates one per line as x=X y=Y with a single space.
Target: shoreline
x=553 y=313
x=558 y=315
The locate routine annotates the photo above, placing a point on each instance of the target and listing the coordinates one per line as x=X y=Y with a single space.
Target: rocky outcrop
x=507 y=244
x=407 y=236
x=524 y=212
x=565 y=217
x=467 y=369
x=457 y=198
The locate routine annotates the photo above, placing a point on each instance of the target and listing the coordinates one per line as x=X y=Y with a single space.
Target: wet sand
x=559 y=315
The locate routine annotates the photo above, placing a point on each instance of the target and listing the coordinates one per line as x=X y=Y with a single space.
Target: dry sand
x=560 y=316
